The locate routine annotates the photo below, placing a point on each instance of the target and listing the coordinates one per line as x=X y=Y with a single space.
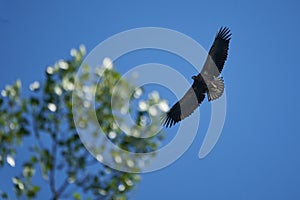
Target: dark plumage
x=206 y=82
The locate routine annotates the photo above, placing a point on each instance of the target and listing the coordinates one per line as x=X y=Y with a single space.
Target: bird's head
x=194 y=77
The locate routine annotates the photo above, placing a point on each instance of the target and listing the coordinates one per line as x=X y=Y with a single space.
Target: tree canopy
x=38 y=136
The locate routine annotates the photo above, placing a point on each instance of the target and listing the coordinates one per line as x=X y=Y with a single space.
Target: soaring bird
x=208 y=81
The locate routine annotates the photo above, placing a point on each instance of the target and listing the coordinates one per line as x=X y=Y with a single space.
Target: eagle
x=208 y=81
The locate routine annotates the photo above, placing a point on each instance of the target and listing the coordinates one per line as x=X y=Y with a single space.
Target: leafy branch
x=42 y=125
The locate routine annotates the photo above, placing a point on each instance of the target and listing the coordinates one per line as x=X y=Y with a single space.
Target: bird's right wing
x=184 y=107
x=218 y=53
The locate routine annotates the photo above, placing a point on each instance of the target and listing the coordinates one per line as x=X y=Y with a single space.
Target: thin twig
x=54 y=156
x=36 y=131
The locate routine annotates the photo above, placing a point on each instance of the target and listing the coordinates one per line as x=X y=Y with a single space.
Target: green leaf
x=3 y=195
x=33 y=192
x=33 y=159
x=28 y=170
x=34 y=101
x=76 y=196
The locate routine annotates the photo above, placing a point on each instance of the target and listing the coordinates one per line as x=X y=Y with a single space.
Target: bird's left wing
x=185 y=106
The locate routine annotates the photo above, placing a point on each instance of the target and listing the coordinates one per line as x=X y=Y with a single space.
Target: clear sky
x=257 y=156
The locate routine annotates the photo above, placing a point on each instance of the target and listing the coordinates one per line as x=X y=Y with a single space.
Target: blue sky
x=257 y=156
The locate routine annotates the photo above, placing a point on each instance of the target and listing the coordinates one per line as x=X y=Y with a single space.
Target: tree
x=41 y=124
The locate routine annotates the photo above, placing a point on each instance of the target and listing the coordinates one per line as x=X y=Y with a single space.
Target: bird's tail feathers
x=215 y=89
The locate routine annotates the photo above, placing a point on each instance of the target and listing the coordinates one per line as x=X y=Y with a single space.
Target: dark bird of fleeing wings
x=208 y=81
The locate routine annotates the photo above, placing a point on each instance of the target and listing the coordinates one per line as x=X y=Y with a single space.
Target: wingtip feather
x=224 y=33
x=167 y=120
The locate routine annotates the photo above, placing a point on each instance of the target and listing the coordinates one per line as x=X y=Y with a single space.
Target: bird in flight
x=208 y=81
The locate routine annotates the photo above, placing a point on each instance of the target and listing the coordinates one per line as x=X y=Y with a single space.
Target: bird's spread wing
x=214 y=87
x=185 y=106
x=217 y=54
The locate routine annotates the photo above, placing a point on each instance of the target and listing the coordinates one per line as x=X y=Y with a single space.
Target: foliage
x=41 y=125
